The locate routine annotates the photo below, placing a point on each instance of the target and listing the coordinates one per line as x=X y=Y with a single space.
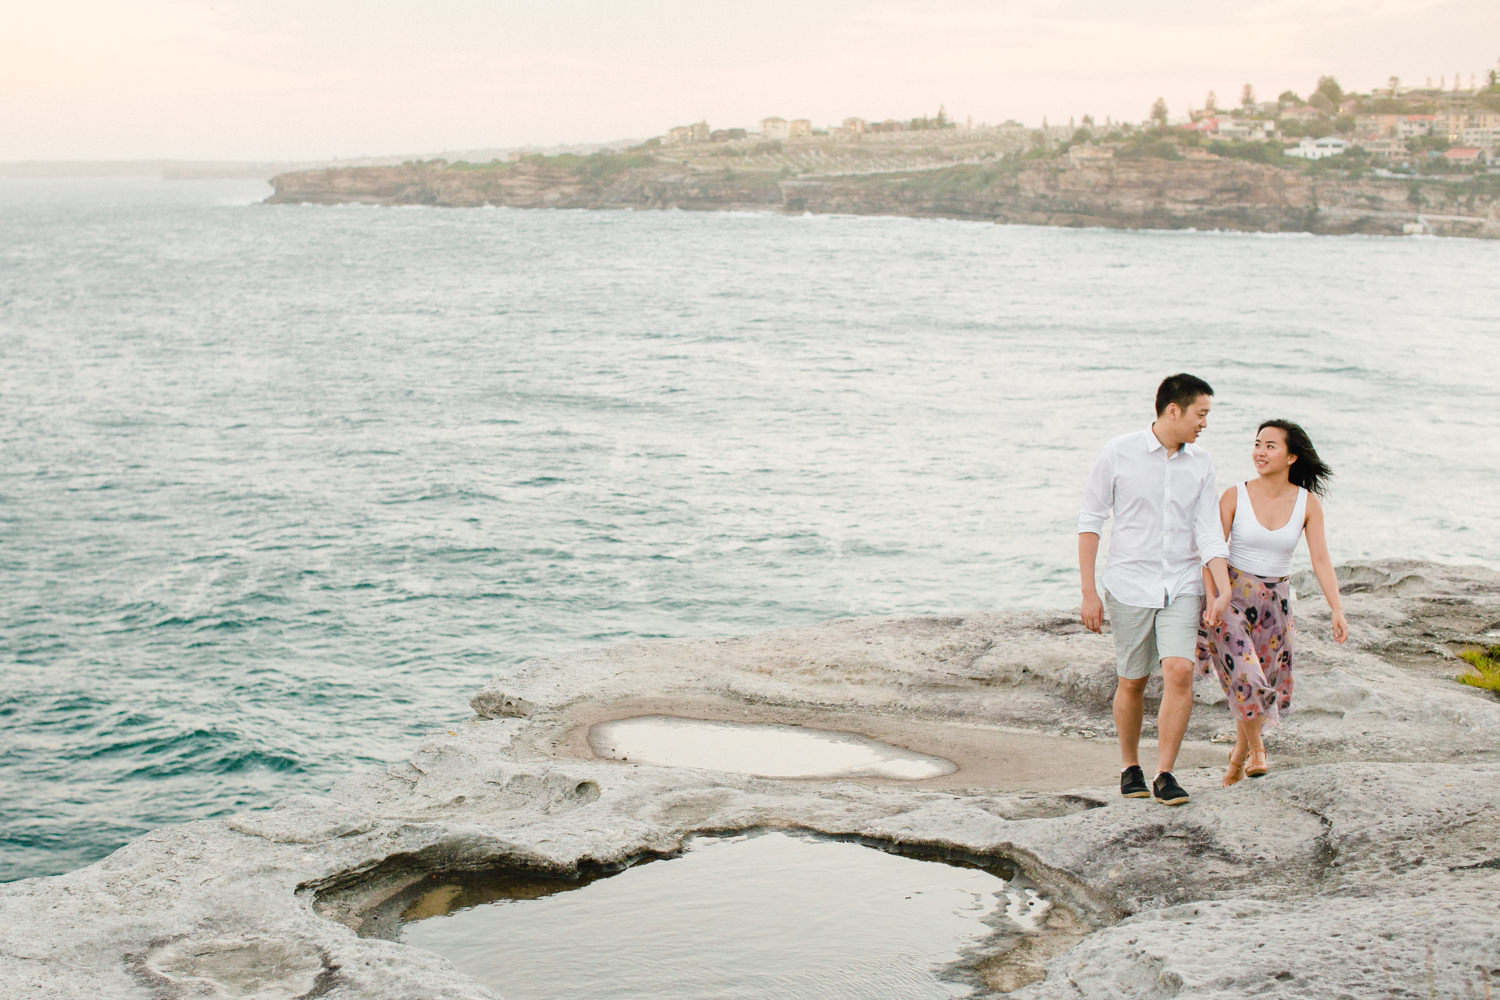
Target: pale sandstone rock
x=1366 y=864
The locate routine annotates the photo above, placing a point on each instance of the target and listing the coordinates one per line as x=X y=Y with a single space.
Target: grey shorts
x=1146 y=636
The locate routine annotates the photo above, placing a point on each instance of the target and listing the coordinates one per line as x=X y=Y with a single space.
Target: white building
x=1412 y=126
x=1483 y=136
x=1248 y=129
x=1318 y=149
x=775 y=128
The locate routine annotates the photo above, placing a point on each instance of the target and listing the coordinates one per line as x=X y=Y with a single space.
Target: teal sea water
x=281 y=486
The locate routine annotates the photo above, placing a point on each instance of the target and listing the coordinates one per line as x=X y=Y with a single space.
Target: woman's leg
x=1238 y=755
x=1252 y=734
x=1255 y=764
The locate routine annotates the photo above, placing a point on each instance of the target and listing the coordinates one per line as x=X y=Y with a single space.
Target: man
x=1160 y=487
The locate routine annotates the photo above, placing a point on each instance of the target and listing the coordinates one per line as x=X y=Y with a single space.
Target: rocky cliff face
x=1200 y=193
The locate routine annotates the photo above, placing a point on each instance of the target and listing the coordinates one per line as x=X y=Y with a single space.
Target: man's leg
x=1176 y=707
x=1130 y=697
x=1177 y=639
x=1134 y=631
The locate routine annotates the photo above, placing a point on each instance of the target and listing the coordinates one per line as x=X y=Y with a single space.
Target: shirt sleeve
x=1098 y=494
x=1208 y=530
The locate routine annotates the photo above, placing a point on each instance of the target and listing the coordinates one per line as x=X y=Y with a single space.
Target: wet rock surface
x=1365 y=864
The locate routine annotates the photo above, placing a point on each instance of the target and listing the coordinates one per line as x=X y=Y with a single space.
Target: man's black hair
x=1182 y=389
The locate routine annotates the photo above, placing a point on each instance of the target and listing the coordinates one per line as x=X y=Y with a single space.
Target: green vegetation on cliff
x=1485 y=668
x=595 y=166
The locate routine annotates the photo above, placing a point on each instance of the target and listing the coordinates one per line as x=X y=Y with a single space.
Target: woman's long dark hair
x=1309 y=471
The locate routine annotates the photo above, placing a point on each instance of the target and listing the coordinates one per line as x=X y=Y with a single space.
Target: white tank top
x=1255 y=549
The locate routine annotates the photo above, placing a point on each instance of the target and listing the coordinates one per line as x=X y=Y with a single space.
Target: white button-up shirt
x=1166 y=518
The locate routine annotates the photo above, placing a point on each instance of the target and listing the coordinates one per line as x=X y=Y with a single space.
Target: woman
x=1251 y=649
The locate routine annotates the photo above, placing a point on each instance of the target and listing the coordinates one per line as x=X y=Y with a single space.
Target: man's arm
x=1209 y=533
x=1098 y=498
x=1218 y=569
x=1088 y=556
x=1208 y=530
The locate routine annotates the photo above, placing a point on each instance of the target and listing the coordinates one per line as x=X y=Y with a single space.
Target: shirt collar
x=1153 y=444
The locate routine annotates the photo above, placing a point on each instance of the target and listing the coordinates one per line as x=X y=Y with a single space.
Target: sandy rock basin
x=1366 y=864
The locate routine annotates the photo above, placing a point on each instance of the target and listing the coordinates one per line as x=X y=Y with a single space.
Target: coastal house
x=1486 y=137
x=775 y=128
x=1455 y=101
x=683 y=135
x=1246 y=129
x=1385 y=149
x=1482 y=129
x=854 y=126
x=1381 y=126
x=1456 y=124
x=1300 y=113
x=1466 y=156
x=726 y=134
x=798 y=128
x=1413 y=126
x=1318 y=149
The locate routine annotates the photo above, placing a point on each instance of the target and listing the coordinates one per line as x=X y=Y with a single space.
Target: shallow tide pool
x=767 y=915
x=770 y=751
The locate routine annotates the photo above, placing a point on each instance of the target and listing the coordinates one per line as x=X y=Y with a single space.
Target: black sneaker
x=1167 y=791
x=1133 y=782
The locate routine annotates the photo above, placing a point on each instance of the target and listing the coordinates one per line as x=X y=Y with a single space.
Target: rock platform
x=1367 y=864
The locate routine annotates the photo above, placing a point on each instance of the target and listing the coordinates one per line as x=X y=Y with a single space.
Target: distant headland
x=1397 y=160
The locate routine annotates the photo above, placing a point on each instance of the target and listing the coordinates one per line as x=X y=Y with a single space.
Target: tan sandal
x=1256 y=767
x=1236 y=772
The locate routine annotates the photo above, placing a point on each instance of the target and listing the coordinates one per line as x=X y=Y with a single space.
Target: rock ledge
x=1366 y=864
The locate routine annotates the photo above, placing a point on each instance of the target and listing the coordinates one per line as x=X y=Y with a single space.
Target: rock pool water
x=770 y=751
x=746 y=916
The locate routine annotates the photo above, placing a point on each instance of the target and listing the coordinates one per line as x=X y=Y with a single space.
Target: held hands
x=1093 y=613
x=1340 y=627
x=1213 y=611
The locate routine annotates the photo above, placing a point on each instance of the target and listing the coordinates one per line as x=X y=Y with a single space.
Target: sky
x=286 y=80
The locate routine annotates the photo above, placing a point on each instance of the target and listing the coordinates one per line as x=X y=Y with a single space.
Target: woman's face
x=1270 y=454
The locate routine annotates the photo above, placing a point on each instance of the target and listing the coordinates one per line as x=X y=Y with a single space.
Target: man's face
x=1189 y=423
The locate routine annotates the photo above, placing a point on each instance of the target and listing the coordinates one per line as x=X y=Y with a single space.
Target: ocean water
x=280 y=487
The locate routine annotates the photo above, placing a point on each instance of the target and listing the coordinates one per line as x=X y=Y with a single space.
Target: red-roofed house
x=1466 y=156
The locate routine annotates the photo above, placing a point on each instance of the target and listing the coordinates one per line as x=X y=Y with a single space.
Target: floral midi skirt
x=1250 y=651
